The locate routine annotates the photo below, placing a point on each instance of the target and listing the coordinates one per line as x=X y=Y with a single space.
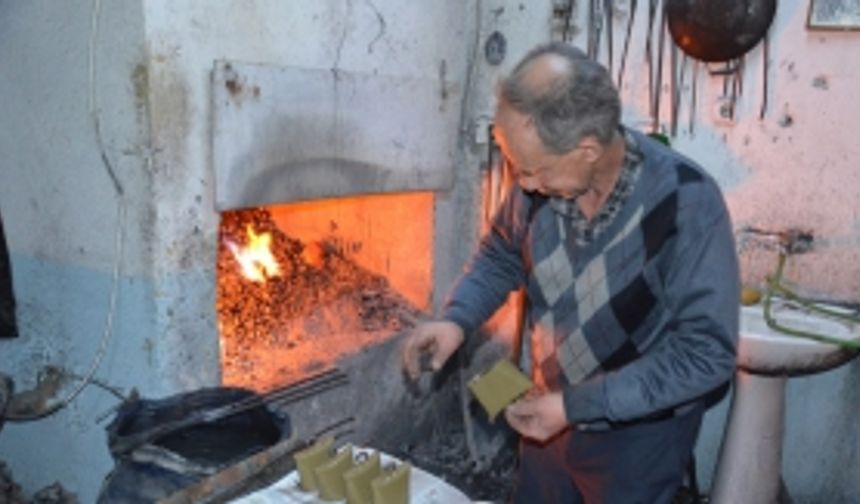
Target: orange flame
x=313 y=254
x=256 y=258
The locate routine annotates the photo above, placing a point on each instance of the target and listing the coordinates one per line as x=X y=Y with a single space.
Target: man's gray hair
x=579 y=102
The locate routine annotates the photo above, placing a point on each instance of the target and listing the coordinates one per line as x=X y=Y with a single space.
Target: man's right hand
x=440 y=339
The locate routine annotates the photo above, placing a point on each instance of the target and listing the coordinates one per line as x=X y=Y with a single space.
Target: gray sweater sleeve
x=494 y=271
x=696 y=354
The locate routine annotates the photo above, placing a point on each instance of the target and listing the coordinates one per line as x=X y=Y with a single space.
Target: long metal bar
x=658 y=84
x=764 y=63
x=649 y=53
x=693 y=96
x=291 y=393
x=631 y=16
x=607 y=15
x=674 y=96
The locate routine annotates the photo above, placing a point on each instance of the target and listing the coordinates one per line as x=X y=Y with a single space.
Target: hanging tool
x=598 y=27
x=764 y=63
x=591 y=49
x=733 y=93
x=739 y=74
x=693 y=95
x=649 y=53
x=631 y=16
x=567 y=32
x=607 y=14
x=677 y=89
x=658 y=78
x=726 y=71
x=736 y=85
x=673 y=84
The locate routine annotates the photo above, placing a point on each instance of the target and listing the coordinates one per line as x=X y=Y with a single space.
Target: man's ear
x=591 y=149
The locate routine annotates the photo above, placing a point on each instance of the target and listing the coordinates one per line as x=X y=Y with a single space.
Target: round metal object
x=718 y=30
x=495 y=48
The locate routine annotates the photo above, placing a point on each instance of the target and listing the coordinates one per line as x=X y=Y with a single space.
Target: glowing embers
x=302 y=285
x=256 y=257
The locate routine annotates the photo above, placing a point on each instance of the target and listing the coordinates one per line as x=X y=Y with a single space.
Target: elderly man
x=626 y=252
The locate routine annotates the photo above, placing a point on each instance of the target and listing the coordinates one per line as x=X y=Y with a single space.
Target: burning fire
x=329 y=288
x=313 y=253
x=256 y=257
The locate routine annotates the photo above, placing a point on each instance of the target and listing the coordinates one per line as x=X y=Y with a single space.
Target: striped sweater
x=631 y=318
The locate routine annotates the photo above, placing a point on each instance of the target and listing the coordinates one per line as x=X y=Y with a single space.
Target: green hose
x=774 y=285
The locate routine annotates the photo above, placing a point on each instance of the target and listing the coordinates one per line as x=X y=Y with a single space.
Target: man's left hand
x=539 y=417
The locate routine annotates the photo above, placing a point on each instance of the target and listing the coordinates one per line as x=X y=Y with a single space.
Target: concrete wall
x=183 y=40
x=59 y=206
x=60 y=212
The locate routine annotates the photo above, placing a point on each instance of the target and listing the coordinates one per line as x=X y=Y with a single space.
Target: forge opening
x=302 y=285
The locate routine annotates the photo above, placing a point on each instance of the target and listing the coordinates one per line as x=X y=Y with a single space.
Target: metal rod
x=592 y=42
x=739 y=75
x=323 y=379
x=693 y=96
x=658 y=84
x=649 y=50
x=607 y=15
x=291 y=393
x=299 y=395
x=764 y=64
x=677 y=98
x=630 y=17
x=736 y=87
x=673 y=78
x=566 y=33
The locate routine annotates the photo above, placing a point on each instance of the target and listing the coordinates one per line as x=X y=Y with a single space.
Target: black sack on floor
x=152 y=469
x=8 y=326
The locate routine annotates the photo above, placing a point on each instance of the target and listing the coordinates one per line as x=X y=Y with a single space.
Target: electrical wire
x=89 y=377
x=114 y=391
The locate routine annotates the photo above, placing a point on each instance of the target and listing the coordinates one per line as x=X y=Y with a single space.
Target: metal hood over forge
x=283 y=134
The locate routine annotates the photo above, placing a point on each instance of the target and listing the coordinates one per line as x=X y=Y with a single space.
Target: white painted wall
x=59 y=210
x=792 y=169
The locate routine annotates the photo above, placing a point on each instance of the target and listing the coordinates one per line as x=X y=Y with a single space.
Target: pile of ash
x=445 y=455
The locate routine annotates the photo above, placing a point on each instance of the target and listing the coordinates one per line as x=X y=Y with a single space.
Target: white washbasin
x=762 y=350
x=750 y=462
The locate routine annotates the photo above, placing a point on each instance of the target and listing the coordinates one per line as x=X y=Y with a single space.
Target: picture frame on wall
x=833 y=15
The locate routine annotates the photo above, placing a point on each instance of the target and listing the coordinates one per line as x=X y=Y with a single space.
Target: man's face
x=536 y=168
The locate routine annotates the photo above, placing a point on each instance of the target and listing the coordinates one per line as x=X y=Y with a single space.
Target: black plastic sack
x=149 y=469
